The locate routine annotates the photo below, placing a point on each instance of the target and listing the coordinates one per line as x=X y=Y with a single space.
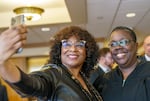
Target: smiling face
x=124 y=56
x=73 y=56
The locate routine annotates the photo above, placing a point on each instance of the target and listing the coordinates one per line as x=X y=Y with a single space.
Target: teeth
x=120 y=55
x=72 y=56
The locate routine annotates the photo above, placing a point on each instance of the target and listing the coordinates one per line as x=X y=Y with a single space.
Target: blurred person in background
x=104 y=64
x=146 y=47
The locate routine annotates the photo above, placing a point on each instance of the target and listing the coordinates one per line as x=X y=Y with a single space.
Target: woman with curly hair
x=73 y=55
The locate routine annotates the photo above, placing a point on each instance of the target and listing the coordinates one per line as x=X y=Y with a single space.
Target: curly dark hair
x=82 y=34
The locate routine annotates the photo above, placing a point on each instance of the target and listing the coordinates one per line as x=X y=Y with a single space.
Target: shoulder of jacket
x=52 y=66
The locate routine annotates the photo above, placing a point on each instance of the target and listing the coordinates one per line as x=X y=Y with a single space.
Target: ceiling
x=99 y=17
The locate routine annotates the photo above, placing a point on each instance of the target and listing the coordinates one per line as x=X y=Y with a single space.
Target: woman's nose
x=73 y=47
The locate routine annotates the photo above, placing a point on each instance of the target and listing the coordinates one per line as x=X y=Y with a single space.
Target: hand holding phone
x=17 y=20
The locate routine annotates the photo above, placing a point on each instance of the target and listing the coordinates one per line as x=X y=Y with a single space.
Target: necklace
x=92 y=95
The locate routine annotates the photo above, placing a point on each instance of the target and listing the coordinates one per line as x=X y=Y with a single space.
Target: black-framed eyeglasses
x=69 y=44
x=122 y=43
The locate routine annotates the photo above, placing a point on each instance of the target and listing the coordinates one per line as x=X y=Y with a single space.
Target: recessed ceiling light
x=129 y=15
x=45 y=29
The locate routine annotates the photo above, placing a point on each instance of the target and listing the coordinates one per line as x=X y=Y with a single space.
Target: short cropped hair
x=127 y=29
x=103 y=51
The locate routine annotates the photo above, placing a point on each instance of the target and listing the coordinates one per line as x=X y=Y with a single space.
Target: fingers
x=11 y=40
x=19 y=29
x=19 y=37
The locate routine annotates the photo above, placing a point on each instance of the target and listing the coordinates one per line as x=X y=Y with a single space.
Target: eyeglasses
x=69 y=44
x=122 y=43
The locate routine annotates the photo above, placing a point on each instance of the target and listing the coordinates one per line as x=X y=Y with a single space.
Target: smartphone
x=17 y=20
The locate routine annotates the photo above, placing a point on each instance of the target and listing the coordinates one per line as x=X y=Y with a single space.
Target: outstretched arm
x=10 y=41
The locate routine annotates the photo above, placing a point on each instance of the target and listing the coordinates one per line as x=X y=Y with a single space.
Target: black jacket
x=95 y=74
x=3 y=93
x=142 y=58
x=55 y=83
x=135 y=88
